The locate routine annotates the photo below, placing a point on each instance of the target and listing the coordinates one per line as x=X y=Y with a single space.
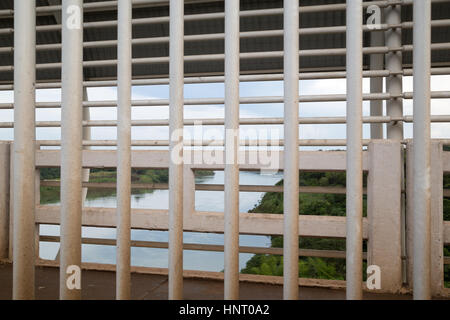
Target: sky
x=247 y=89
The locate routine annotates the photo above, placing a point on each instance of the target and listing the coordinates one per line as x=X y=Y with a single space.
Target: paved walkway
x=101 y=285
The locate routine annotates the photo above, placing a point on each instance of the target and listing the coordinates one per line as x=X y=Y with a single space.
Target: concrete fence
x=387 y=227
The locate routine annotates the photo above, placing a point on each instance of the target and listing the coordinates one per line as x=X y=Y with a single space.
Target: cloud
x=214 y=90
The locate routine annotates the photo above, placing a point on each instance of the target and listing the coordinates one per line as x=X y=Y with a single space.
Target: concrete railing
x=383 y=227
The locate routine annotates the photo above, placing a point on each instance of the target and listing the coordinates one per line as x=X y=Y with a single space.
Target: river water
x=158 y=199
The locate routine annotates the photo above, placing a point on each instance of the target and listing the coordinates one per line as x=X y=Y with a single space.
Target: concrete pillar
x=384 y=212
x=5 y=148
x=437 y=218
x=354 y=201
x=124 y=76
x=422 y=139
x=231 y=194
x=24 y=148
x=37 y=201
x=176 y=66
x=71 y=146
x=291 y=148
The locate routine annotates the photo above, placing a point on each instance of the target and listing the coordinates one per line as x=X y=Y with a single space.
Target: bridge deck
x=101 y=285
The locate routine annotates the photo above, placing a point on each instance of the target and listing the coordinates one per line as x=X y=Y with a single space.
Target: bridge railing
x=382 y=228
x=378 y=51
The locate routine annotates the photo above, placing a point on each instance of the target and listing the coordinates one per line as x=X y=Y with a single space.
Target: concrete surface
x=98 y=285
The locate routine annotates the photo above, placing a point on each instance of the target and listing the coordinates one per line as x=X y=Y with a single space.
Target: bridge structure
x=73 y=45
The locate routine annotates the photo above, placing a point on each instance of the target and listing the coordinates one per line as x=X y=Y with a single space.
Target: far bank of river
x=158 y=199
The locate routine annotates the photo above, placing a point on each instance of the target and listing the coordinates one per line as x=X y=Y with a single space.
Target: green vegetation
x=52 y=194
x=310 y=204
x=316 y=204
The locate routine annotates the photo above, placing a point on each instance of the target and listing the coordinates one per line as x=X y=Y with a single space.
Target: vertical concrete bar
x=409 y=176
x=37 y=201
x=5 y=149
x=394 y=85
x=422 y=135
x=176 y=66
x=124 y=33
x=383 y=211
x=86 y=136
x=24 y=148
x=231 y=253
x=291 y=150
x=437 y=219
x=376 y=84
x=354 y=150
x=71 y=147
x=11 y=202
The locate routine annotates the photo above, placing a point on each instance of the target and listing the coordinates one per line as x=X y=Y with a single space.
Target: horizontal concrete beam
x=204 y=187
x=207 y=275
x=310 y=160
x=250 y=223
x=207 y=247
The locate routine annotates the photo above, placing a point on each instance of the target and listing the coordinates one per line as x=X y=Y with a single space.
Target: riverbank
x=51 y=195
x=210 y=201
x=319 y=204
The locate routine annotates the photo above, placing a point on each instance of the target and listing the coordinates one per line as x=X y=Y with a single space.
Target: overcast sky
x=247 y=89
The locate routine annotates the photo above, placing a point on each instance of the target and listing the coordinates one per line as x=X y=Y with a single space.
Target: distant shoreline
x=50 y=195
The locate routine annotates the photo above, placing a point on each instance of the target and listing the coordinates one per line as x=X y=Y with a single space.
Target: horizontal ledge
x=246 y=55
x=220 y=15
x=242 y=100
x=206 y=275
x=208 y=143
x=221 y=79
x=208 y=247
x=209 y=222
x=205 y=187
x=242 y=121
x=187 y=38
x=196 y=160
x=201 y=37
x=220 y=143
x=243 y=78
x=108 y=5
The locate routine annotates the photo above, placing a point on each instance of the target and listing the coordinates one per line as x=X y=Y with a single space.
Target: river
x=158 y=199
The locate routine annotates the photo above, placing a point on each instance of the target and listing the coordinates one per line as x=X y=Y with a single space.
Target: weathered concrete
x=101 y=285
x=384 y=212
x=438 y=229
x=4 y=199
